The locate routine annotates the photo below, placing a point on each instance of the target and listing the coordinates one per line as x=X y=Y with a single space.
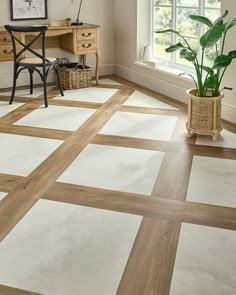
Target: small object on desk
x=60 y=22
x=78 y=23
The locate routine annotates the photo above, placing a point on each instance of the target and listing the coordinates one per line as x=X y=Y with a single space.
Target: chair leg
x=13 y=86
x=59 y=81
x=31 y=71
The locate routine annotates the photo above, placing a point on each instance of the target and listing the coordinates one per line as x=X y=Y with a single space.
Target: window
x=175 y=14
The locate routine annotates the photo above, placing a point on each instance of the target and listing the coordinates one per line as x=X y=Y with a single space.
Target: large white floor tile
x=212 y=181
x=26 y=92
x=21 y=154
x=205 y=262
x=62 y=249
x=90 y=94
x=6 y=108
x=143 y=100
x=115 y=168
x=226 y=139
x=140 y=125
x=57 y=117
x=2 y=195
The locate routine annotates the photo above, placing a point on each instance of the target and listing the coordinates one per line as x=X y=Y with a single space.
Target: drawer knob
x=86 y=34
x=86 y=45
x=7 y=52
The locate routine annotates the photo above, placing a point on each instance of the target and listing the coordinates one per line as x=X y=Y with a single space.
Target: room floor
x=102 y=193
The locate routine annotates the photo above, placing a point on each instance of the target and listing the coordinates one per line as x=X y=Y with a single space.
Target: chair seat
x=35 y=60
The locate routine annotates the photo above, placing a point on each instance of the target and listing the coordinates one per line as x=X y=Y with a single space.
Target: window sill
x=161 y=67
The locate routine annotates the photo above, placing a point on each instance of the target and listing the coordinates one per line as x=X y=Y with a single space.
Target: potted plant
x=204 y=104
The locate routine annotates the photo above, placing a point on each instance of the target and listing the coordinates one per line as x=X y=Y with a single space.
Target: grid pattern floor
x=103 y=193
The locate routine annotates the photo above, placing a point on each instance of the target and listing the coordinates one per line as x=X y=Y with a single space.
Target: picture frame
x=28 y=9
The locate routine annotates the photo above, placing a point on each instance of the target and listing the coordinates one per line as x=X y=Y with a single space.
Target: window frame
x=202 y=8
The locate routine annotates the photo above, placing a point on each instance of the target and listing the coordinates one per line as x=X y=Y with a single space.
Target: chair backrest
x=36 y=33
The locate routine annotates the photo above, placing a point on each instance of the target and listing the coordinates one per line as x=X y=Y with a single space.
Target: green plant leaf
x=222 y=61
x=231 y=23
x=221 y=17
x=175 y=47
x=192 y=77
x=226 y=88
x=213 y=35
x=167 y=31
x=188 y=54
x=212 y=82
x=232 y=54
x=202 y=19
x=208 y=70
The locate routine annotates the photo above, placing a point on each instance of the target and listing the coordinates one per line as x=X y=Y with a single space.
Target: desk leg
x=83 y=59
x=98 y=61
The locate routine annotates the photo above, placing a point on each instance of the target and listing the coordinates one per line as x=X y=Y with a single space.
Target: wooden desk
x=78 y=40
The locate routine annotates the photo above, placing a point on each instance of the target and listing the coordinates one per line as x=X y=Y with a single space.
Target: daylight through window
x=174 y=14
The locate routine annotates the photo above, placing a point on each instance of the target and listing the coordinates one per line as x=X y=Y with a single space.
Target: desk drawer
x=87 y=45
x=5 y=38
x=6 y=50
x=86 y=34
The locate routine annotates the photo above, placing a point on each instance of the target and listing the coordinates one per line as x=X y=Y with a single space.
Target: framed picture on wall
x=28 y=9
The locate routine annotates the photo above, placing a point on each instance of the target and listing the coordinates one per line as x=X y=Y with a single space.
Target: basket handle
x=64 y=60
x=80 y=64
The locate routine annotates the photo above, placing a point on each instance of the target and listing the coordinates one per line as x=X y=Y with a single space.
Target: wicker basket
x=204 y=114
x=74 y=75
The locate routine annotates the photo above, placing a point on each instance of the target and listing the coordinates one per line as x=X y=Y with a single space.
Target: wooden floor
x=150 y=265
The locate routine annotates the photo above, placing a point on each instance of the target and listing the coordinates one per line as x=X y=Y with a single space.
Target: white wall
x=131 y=34
x=93 y=11
x=230 y=77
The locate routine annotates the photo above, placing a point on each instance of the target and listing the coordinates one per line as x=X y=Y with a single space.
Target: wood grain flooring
x=5 y=290
x=150 y=265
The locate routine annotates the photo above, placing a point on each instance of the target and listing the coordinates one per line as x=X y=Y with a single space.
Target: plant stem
x=223 y=44
x=201 y=86
x=221 y=79
x=196 y=65
x=204 y=85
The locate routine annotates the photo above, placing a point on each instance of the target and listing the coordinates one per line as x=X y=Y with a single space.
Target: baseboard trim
x=159 y=85
x=229 y=112
x=6 y=79
x=171 y=90
x=174 y=91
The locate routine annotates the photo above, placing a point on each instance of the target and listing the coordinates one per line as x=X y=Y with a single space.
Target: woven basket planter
x=74 y=76
x=204 y=115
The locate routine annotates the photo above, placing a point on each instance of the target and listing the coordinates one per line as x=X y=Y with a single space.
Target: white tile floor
x=90 y=94
x=57 y=117
x=19 y=155
x=26 y=92
x=71 y=250
x=115 y=168
x=205 y=262
x=6 y=108
x=143 y=100
x=212 y=181
x=226 y=139
x=2 y=195
x=140 y=125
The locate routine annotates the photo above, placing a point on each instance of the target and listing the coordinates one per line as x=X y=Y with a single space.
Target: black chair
x=38 y=62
